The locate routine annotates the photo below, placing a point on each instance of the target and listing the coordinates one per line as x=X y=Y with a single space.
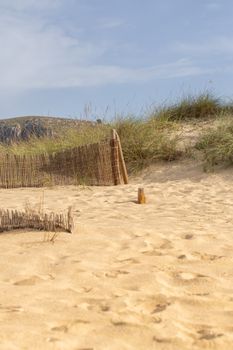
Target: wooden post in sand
x=122 y=160
x=141 y=196
x=118 y=163
x=115 y=159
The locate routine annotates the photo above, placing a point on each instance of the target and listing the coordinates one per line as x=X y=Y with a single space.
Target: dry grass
x=216 y=144
x=50 y=237
x=192 y=107
x=70 y=138
x=151 y=138
x=146 y=141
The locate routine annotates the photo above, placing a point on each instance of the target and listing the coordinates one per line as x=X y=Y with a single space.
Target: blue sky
x=103 y=57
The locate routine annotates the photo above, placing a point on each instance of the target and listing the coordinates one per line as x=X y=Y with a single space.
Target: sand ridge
x=156 y=276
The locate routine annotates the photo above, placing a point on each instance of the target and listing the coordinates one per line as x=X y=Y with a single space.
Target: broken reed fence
x=99 y=164
x=13 y=219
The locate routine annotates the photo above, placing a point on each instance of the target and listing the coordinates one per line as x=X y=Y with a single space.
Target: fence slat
x=95 y=164
x=13 y=219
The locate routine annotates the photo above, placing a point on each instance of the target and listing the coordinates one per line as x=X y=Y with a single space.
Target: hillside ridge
x=21 y=128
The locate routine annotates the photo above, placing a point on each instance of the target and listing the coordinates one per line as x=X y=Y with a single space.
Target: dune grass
x=66 y=139
x=146 y=141
x=192 y=107
x=217 y=145
x=151 y=138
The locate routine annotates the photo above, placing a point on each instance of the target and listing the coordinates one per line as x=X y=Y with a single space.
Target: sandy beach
x=130 y=277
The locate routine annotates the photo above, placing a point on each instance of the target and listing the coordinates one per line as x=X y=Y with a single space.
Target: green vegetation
x=72 y=137
x=217 y=145
x=161 y=135
x=146 y=141
x=192 y=107
x=143 y=141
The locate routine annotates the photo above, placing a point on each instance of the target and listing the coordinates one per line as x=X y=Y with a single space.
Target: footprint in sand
x=201 y=294
x=166 y=245
x=31 y=281
x=86 y=289
x=11 y=308
x=118 y=320
x=63 y=329
x=79 y=321
x=182 y=257
x=105 y=307
x=188 y=236
x=153 y=305
x=161 y=340
x=189 y=276
x=153 y=252
x=160 y=308
x=52 y=340
x=207 y=257
x=208 y=335
x=129 y=260
x=115 y=274
x=64 y=257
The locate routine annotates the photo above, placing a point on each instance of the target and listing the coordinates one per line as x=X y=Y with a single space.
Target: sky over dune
x=58 y=56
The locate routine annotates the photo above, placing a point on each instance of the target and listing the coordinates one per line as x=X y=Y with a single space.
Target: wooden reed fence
x=13 y=219
x=99 y=164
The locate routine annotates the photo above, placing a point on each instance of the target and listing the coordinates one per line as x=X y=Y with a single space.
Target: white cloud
x=22 y=5
x=217 y=45
x=36 y=54
x=96 y=75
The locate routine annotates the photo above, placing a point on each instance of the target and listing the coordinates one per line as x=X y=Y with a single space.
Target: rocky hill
x=22 y=128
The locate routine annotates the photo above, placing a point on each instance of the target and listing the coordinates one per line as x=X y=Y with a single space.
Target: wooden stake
x=70 y=220
x=122 y=161
x=115 y=159
x=141 y=196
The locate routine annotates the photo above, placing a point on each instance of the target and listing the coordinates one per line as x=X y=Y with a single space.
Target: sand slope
x=158 y=276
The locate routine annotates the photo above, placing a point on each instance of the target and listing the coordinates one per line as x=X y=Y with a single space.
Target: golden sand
x=130 y=277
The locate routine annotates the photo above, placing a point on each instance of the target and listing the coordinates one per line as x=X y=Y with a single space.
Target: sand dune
x=154 y=276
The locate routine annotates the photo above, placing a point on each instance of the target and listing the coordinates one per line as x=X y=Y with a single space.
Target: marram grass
x=151 y=138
